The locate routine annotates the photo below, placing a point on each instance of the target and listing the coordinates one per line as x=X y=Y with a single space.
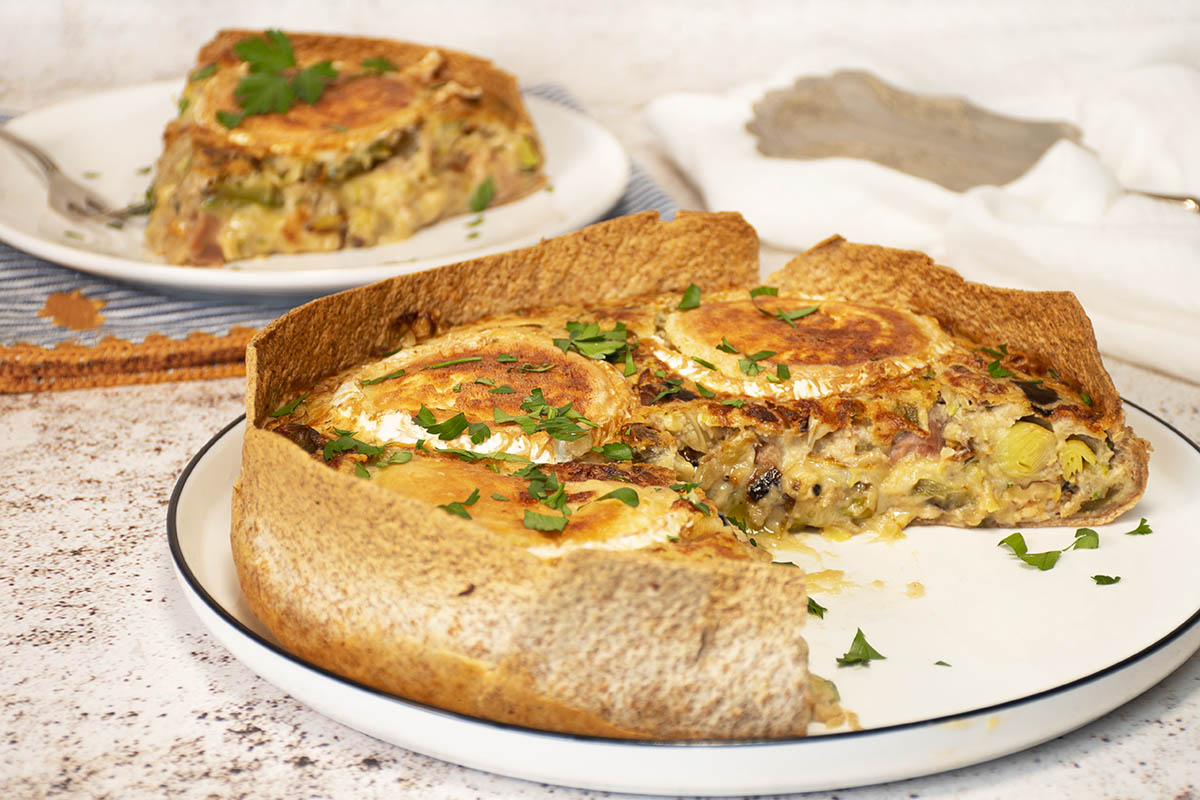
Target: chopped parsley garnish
x=500 y=497
x=483 y=195
x=504 y=389
x=860 y=652
x=288 y=408
x=1086 y=539
x=816 y=609
x=734 y=521
x=736 y=402
x=484 y=381
x=346 y=441
x=372 y=381
x=940 y=663
x=505 y=358
x=790 y=317
x=705 y=392
x=1086 y=398
x=472 y=456
x=1106 y=580
x=206 y=71
x=691 y=298
x=459 y=508
x=761 y=290
x=726 y=347
x=361 y=471
x=272 y=86
x=1141 y=530
x=782 y=372
x=560 y=422
x=590 y=341
x=750 y=365
x=545 y=366
x=378 y=65
x=452 y=427
x=617 y=451
x=684 y=489
x=452 y=362
x=674 y=385
x=544 y=522
x=994 y=369
x=545 y=488
x=626 y=495
x=1042 y=561
x=398 y=457
x=703 y=363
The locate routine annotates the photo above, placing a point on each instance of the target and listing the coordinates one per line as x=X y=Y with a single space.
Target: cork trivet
x=112 y=361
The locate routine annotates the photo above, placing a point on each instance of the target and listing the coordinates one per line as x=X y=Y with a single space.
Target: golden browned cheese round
x=360 y=104
x=825 y=346
x=478 y=374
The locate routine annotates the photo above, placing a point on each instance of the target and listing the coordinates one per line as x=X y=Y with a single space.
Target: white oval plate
x=115 y=136
x=1034 y=654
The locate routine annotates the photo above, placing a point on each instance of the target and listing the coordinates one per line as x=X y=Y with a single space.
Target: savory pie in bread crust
x=384 y=581
x=405 y=135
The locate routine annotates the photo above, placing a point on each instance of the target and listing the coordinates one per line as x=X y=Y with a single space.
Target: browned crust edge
x=1050 y=327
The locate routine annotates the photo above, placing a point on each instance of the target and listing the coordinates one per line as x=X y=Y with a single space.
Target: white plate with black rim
x=110 y=140
x=1026 y=655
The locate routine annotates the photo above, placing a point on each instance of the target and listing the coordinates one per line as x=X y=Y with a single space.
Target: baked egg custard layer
x=306 y=143
x=630 y=404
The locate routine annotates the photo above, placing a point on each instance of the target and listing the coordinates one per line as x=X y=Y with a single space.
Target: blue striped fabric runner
x=132 y=312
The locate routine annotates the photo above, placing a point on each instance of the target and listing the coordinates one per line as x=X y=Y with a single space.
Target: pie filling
x=842 y=419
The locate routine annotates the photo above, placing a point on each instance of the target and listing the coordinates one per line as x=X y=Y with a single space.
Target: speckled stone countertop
x=110 y=687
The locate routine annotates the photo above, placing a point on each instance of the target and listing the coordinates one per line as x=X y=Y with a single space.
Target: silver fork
x=63 y=194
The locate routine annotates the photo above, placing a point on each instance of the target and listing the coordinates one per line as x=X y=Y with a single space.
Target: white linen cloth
x=1068 y=223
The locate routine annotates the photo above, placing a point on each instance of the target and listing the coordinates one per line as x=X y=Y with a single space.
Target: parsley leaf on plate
x=1141 y=530
x=860 y=652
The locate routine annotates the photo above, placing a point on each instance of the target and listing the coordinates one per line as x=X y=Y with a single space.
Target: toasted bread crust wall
x=1050 y=326
x=368 y=584
x=621 y=258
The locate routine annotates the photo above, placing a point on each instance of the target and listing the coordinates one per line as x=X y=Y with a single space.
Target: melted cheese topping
x=836 y=349
x=497 y=370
